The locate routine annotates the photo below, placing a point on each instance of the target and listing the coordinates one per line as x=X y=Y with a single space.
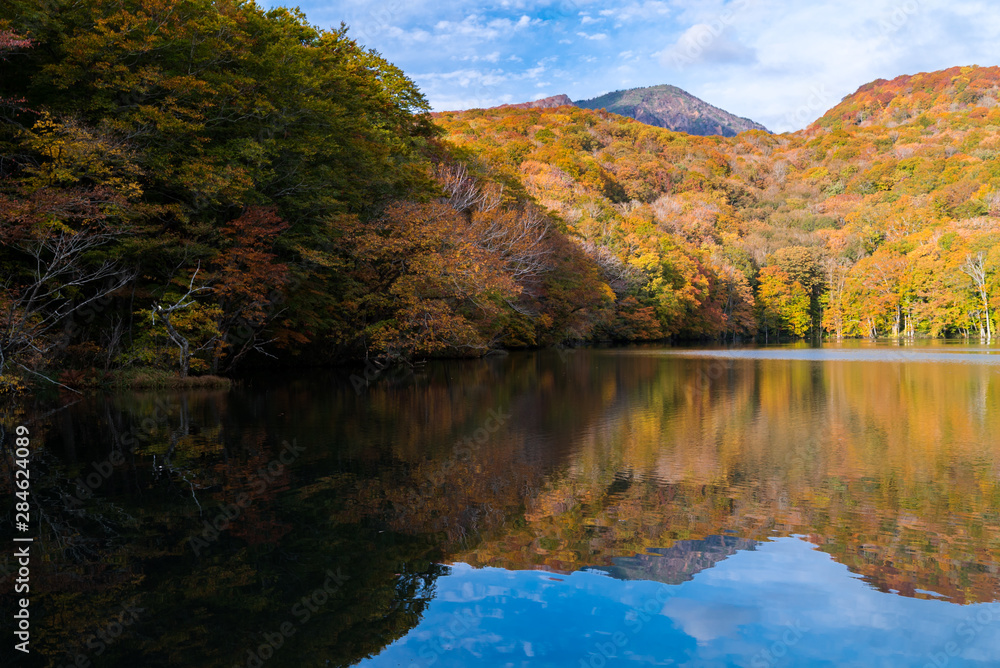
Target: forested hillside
x=880 y=219
x=190 y=186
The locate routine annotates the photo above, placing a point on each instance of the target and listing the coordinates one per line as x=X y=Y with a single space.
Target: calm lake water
x=788 y=506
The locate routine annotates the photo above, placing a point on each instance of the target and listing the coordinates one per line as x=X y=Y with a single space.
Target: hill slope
x=672 y=108
x=904 y=99
x=880 y=219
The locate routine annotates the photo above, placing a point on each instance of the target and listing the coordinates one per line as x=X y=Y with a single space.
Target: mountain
x=672 y=108
x=680 y=562
x=544 y=103
x=663 y=106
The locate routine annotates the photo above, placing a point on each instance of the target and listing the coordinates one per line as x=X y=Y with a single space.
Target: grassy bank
x=160 y=379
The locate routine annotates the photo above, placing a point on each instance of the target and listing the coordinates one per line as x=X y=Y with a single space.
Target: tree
x=166 y=316
x=975 y=267
x=247 y=283
x=873 y=299
x=11 y=42
x=516 y=237
x=738 y=302
x=802 y=264
x=428 y=287
x=782 y=303
x=52 y=241
x=832 y=301
x=195 y=110
x=634 y=322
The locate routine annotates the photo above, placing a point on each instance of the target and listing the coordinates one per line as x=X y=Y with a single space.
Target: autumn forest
x=190 y=187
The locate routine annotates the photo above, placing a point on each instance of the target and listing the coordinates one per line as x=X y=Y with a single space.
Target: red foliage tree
x=247 y=282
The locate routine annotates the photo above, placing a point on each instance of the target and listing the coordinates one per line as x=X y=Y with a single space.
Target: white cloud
x=764 y=60
x=468 y=77
x=638 y=11
x=486 y=58
x=705 y=43
x=526 y=21
x=709 y=621
x=770 y=58
x=401 y=35
x=474 y=27
x=534 y=72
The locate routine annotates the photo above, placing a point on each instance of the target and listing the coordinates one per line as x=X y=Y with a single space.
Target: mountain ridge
x=673 y=108
x=663 y=106
x=550 y=102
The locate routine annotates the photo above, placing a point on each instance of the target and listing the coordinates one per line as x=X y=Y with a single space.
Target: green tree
x=782 y=304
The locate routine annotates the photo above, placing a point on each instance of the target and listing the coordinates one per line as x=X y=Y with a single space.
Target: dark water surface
x=758 y=507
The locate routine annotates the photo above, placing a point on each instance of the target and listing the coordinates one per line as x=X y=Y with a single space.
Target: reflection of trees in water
x=80 y=570
x=887 y=467
x=607 y=457
x=130 y=540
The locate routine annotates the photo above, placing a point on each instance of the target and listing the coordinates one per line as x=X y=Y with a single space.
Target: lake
x=781 y=506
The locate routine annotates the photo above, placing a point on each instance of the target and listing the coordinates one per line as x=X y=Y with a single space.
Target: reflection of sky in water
x=783 y=604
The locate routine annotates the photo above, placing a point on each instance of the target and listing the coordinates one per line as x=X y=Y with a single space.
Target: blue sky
x=780 y=63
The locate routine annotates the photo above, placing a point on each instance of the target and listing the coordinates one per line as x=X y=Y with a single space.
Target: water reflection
x=567 y=487
x=784 y=603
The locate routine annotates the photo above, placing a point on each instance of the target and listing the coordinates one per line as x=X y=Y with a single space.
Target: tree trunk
x=180 y=342
x=976 y=269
